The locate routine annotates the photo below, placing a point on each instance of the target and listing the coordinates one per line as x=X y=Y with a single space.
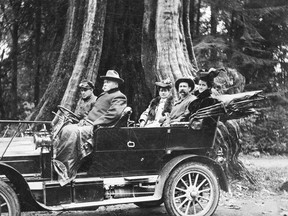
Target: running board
x=90 y=205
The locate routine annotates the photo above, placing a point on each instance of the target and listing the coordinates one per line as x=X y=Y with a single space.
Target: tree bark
x=15 y=27
x=122 y=52
x=65 y=63
x=172 y=59
x=213 y=24
x=149 y=48
x=79 y=57
x=37 y=54
x=89 y=53
x=197 y=30
x=187 y=31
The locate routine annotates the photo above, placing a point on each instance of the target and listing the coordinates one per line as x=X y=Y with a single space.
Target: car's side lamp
x=42 y=141
x=43 y=138
x=196 y=124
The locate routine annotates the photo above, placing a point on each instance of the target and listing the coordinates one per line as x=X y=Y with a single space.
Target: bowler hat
x=86 y=84
x=112 y=75
x=164 y=83
x=187 y=80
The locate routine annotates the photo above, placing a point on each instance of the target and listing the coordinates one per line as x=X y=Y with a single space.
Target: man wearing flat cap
x=184 y=87
x=76 y=141
x=87 y=100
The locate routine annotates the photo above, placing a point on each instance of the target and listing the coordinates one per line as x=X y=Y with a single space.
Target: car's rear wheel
x=9 y=202
x=150 y=204
x=191 y=189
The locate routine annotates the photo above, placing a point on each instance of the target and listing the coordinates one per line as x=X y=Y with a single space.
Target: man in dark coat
x=75 y=140
x=87 y=100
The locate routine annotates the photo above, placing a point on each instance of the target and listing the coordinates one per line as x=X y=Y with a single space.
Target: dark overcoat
x=108 y=108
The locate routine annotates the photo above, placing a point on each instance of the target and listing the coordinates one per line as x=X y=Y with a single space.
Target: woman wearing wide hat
x=203 y=94
x=159 y=107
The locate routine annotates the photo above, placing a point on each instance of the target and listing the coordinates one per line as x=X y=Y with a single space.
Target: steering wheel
x=70 y=115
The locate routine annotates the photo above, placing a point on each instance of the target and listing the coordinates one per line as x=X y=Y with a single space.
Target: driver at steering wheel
x=87 y=100
x=74 y=139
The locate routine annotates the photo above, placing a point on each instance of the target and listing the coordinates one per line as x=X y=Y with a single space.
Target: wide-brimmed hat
x=187 y=80
x=164 y=83
x=208 y=75
x=86 y=84
x=112 y=75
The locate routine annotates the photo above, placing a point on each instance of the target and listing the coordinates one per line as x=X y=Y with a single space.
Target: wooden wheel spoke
x=196 y=180
x=202 y=197
x=184 y=183
x=190 y=180
x=177 y=188
x=201 y=183
x=3 y=204
x=199 y=204
x=179 y=197
x=204 y=190
x=194 y=207
x=182 y=203
x=188 y=207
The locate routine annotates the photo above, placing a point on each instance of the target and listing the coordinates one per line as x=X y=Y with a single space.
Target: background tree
x=56 y=43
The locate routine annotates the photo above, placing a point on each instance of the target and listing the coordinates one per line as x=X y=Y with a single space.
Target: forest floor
x=265 y=198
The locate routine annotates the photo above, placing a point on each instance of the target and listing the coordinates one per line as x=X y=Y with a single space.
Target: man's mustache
x=182 y=91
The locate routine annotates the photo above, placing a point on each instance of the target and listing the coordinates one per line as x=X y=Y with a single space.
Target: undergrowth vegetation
x=267 y=131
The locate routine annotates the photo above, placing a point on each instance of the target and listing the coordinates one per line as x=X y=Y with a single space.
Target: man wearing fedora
x=110 y=103
x=75 y=141
x=159 y=107
x=184 y=87
x=87 y=100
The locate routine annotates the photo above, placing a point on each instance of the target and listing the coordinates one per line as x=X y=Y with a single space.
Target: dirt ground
x=263 y=199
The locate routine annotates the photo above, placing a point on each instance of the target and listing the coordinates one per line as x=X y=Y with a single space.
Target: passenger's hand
x=82 y=122
x=164 y=117
x=142 y=123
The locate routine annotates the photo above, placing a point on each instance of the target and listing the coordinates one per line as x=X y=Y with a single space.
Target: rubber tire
x=12 y=200
x=181 y=171
x=151 y=204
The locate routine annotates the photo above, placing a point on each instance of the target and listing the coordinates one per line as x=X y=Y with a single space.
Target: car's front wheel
x=9 y=202
x=191 y=189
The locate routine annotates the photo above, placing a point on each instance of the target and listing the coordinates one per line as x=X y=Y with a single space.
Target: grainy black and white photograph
x=144 y=107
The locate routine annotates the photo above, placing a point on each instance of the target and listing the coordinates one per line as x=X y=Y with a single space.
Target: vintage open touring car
x=128 y=164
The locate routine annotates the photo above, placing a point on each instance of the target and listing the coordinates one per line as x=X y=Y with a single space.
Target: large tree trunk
x=172 y=55
x=14 y=66
x=79 y=56
x=164 y=47
x=2 y=109
x=149 y=49
x=65 y=63
x=37 y=54
x=89 y=53
x=122 y=51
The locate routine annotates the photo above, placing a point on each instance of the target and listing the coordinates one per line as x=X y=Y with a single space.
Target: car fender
x=21 y=188
x=173 y=163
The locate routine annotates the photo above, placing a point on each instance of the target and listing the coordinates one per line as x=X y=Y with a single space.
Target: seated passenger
x=159 y=107
x=203 y=94
x=87 y=100
x=75 y=140
x=184 y=87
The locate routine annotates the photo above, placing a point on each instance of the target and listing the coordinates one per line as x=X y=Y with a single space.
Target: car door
x=124 y=151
